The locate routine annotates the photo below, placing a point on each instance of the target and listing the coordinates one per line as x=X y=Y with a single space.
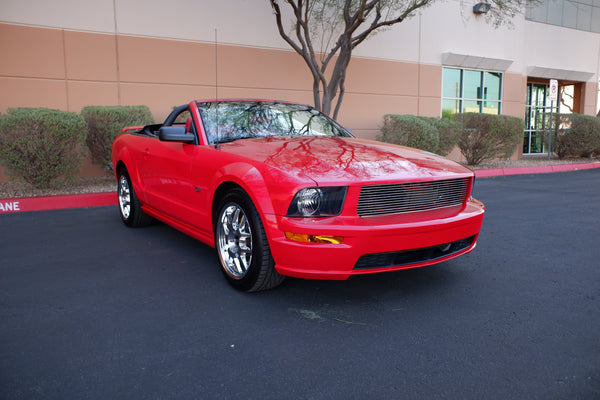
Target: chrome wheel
x=234 y=241
x=124 y=197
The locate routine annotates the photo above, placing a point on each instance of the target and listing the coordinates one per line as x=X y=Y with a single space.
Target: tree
x=338 y=26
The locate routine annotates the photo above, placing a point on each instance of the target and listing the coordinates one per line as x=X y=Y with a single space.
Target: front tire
x=130 y=207
x=242 y=245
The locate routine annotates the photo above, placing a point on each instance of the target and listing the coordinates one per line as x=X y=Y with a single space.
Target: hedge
x=577 y=135
x=488 y=136
x=41 y=146
x=411 y=131
x=104 y=123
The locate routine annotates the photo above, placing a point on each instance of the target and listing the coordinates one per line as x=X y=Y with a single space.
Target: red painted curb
x=110 y=198
x=57 y=202
x=484 y=173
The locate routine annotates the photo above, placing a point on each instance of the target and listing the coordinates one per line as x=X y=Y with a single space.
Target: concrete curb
x=26 y=204
x=484 y=173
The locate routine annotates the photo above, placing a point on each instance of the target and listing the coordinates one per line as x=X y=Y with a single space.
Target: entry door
x=537 y=118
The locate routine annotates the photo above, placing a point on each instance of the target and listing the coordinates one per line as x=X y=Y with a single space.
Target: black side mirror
x=175 y=134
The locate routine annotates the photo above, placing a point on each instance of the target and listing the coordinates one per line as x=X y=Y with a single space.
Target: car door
x=165 y=173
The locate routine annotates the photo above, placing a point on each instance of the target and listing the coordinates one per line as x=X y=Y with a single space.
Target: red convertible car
x=279 y=189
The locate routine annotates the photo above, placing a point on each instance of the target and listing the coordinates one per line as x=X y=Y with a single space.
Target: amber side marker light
x=303 y=237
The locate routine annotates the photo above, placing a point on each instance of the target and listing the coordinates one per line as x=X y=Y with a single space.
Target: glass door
x=537 y=118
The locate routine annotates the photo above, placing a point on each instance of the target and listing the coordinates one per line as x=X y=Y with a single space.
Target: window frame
x=481 y=102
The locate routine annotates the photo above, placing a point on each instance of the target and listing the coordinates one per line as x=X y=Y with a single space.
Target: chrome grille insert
x=408 y=197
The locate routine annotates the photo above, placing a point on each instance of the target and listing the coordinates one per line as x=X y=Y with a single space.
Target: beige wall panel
x=430 y=106
x=365 y=112
x=23 y=92
x=451 y=26
x=83 y=94
x=430 y=81
x=568 y=49
x=370 y=134
x=514 y=109
x=90 y=56
x=382 y=77
x=238 y=21
x=298 y=96
x=514 y=88
x=147 y=60
x=162 y=98
x=31 y=52
x=262 y=68
x=590 y=98
x=399 y=43
x=90 y=15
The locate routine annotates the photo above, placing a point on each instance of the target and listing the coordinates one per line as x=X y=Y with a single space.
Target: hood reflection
x=342 y=159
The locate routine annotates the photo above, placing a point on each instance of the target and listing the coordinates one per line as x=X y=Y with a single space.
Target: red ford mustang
x=280 y=189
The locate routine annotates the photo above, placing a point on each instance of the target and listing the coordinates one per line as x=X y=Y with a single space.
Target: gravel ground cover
x=96 y=184
x=102 y=184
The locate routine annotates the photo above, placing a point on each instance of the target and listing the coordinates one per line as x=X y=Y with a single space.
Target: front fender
x=121 y=154
x=249 y=178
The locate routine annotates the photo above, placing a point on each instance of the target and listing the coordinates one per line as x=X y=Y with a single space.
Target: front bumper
x=372 y=244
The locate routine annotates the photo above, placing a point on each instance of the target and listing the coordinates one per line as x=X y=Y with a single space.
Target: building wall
x=67 y=54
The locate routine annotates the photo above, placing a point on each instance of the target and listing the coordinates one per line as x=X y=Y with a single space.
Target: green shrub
x=487 y=136
x=437 y=135
x=448 y=131
x=409 y=130
x=43 y=147
x=104 y=123
x=578 y=135
x=447 y=114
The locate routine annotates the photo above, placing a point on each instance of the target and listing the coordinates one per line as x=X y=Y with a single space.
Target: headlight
x=318 y=202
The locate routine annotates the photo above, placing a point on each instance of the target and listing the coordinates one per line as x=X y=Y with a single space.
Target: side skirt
x=206 y=238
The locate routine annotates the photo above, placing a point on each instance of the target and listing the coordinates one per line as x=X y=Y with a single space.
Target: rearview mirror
x=175 y=134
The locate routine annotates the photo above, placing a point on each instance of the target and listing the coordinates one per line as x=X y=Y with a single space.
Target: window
x=583 y=15
x=465 y=90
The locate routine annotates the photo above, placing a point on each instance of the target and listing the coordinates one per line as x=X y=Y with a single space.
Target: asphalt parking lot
x=91 y=309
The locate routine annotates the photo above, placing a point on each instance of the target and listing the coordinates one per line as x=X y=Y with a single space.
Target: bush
x=43 y=147
x=449 y=131
x=104 y=123
x=411 y=131
x=579 y=135
x=427 y=133
x=487 y=136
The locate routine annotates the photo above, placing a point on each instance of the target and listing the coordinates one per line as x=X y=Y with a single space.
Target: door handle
x=146 y=153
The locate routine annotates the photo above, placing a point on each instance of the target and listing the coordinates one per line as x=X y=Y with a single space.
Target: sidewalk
x=24 y=204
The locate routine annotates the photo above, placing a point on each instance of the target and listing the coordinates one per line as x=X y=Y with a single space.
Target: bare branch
x=346 y=24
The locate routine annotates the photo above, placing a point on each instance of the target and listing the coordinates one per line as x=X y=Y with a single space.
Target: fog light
x=306 y=238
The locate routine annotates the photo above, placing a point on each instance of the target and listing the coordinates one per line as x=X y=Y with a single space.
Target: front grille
x=407 y=197
x=398 y=258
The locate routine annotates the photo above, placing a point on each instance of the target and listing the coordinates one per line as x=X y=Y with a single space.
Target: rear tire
x=242 y=246
x=130 y=207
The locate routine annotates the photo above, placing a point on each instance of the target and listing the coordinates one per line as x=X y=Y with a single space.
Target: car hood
x=335 y=161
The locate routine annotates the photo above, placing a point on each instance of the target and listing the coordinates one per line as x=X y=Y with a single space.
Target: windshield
x=226 y=121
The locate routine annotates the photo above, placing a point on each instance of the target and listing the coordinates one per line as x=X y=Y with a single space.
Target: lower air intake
x=397 y=258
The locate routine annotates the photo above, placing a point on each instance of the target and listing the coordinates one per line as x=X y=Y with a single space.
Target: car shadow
x=409 y=284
